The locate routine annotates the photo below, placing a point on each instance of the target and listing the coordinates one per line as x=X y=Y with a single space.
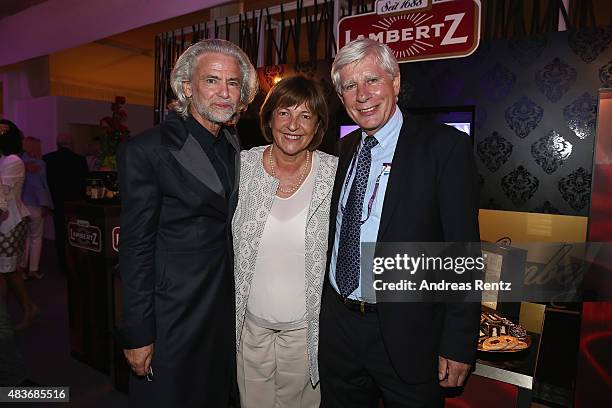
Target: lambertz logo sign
x=115 y=238
x=82 y=234
x=418 y=30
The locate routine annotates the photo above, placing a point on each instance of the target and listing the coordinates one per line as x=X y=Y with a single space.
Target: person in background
x=13 y=217
x=93 y=150
x=67 y=178
x=36 y=197
x=12 y=365
x=280 y=240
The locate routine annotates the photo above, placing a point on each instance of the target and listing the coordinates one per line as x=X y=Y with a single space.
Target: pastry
x=493 y=344
x=521 y=345
x=518 y=331
x=481 y=335
x=493 y=318
x=510 y=342
x=498 y=333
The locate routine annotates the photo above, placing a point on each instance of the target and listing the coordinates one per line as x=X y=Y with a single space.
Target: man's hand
x=452 y=373
x=139 y=359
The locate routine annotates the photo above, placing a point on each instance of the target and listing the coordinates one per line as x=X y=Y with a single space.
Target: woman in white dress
x=280 y=230
x=13 y=217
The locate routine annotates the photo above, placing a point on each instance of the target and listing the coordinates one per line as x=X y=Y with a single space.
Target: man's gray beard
x=213 y=116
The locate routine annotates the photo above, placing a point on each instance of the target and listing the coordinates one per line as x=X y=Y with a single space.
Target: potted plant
x=102 y=184
x=114 y=132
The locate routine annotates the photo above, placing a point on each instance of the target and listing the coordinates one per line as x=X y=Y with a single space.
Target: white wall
x=38 y=118
x=45 y=117
x=85 y=111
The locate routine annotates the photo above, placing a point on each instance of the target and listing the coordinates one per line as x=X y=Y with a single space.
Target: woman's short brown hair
x=294 y=91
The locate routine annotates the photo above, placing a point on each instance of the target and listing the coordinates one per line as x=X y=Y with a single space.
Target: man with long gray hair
x=178 y=184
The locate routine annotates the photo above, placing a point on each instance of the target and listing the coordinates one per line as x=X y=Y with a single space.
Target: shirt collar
x=198 y=131
x=389 y=132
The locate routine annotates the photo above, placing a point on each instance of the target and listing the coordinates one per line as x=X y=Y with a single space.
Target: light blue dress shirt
x=382 y=158
x=35 y=191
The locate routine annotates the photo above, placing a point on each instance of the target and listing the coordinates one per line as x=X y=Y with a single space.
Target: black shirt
x=219 y=150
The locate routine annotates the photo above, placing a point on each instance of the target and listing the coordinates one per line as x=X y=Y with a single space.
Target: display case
x=91 y=255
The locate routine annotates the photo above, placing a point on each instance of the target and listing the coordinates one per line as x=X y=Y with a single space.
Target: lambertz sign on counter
x=82 y=234
x=418 y=30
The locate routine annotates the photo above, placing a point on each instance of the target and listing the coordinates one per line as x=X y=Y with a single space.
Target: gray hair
x=357 y=50
x=186 y=63
x=64 y=140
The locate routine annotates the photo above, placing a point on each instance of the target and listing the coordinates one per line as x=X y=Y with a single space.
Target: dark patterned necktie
x=348 y=261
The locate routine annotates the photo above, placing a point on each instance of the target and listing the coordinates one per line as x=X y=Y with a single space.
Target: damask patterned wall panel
x=536 y=107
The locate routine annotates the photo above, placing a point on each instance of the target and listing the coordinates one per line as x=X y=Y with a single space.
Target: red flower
x=105 y=122
x=115 y=132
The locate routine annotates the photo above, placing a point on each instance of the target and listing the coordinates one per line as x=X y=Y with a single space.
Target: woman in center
x=280 y=232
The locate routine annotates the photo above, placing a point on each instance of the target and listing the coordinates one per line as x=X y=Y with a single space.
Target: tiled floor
x=46 y=349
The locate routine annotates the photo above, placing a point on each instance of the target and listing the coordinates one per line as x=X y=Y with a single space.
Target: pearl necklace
x=292 y=189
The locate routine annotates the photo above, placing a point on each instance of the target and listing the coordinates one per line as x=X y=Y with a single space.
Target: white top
x=12 y=175
x=278 y=294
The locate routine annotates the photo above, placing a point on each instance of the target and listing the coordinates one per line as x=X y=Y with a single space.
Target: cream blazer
x=12 y=176
x=255 y=197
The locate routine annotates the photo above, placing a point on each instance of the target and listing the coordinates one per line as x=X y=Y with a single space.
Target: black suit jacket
x=431 y=196
x=176 y=266
x=66 y=176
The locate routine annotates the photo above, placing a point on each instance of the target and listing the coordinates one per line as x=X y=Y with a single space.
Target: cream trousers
x=34 y=237
x=273 y=369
